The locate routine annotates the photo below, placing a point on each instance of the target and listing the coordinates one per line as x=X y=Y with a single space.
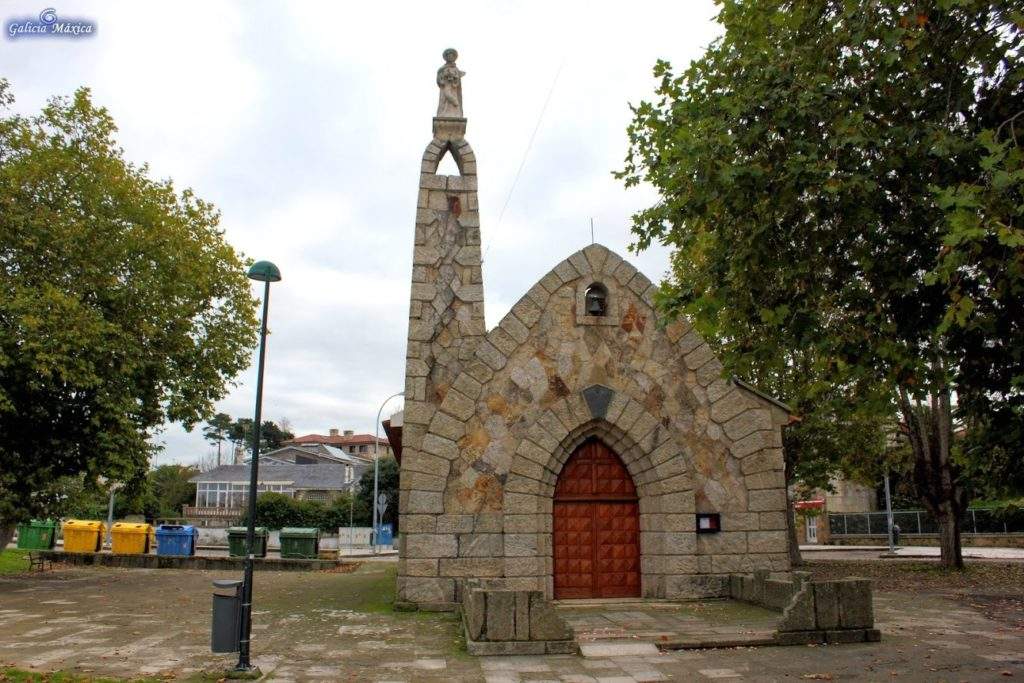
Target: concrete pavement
x=861 y=552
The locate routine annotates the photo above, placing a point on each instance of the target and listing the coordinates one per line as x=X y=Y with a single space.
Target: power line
x=529 y=144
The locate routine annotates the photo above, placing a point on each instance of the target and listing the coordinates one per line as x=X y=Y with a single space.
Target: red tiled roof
x=339 y=440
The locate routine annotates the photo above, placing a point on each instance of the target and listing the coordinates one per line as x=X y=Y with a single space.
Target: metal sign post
x=376 y=467
x=888 y=514
x=351 y=528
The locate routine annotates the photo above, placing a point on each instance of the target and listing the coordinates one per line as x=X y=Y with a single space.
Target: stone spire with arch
x=491 y=418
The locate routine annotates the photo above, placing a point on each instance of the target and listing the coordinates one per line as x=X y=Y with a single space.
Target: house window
x=226 y=495
x=214 y=495
x=362 y=449
x=318 y=496
x=596 y=300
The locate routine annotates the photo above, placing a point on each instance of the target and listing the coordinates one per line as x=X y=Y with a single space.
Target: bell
x=595 y=306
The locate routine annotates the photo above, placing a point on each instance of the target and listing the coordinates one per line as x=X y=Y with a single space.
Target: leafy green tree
x=170 y=490
x=274 y=511
x=241 y=433
x=845 y=178
x=72 y=497
x=272 y=436
x=279 y=510
x=122 y=306
x=217 y=431
x=336 y=516
x=993 y=447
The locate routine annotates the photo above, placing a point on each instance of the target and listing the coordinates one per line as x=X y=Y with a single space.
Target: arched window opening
x=448 y=165
x=596 y=300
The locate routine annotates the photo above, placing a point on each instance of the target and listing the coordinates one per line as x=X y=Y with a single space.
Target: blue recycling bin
x=176 y=539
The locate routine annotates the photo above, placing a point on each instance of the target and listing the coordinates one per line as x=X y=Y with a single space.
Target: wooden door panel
x=596 y=531
x=574 y=550
x=618 y=569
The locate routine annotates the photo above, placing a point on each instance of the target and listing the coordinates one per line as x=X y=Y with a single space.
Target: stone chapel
x=582 y=447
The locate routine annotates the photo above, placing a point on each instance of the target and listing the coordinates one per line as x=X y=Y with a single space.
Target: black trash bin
x=227 y=616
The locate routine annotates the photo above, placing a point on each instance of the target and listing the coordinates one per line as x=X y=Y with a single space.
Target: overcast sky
x=305 y=122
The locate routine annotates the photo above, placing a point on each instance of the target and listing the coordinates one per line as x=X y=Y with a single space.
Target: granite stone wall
x=491 y=418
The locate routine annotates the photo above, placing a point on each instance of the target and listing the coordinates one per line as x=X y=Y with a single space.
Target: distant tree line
x=160 y=494
x=222 y=429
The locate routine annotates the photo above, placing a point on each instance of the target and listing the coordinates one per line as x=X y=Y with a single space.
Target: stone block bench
x=500 y=621
x=838 y=611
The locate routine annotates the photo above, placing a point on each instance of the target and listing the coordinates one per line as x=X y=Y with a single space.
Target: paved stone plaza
x=668 y=622
x=328 y=626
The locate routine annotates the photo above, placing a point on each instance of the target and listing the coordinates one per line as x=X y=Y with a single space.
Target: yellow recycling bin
x=83 y=536
x=130 y=538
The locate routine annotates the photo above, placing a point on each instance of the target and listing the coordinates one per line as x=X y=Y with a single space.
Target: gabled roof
x=336 y=440
x=311 y=451
x=326 y=454
x=270 y=460
x=329 y=477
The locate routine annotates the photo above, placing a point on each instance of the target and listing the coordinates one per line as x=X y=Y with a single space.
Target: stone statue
x=449 y=80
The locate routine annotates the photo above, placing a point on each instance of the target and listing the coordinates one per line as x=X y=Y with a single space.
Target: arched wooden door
x=596 y=527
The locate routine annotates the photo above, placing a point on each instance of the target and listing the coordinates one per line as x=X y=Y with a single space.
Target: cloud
x=305 y=122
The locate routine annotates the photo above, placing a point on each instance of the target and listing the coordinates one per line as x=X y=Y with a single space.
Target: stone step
x=617 y=649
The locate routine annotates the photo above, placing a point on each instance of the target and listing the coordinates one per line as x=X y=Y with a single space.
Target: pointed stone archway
x=654 y=464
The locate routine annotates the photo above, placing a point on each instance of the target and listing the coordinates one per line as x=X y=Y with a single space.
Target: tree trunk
x=795 y=558
x=949 y=537
x=929 y=428
x=6 y=534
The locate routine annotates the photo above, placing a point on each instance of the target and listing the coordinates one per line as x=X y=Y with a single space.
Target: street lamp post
x=376 y=464
x=351 y=508
x=114 y=486
x=265 y=272
x=888 y=514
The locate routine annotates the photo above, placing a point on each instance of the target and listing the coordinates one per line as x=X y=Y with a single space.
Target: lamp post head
x=264 y=271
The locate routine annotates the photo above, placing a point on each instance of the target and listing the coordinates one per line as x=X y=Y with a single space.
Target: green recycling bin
x=236 y=541
x=300 y=542
x=37 y=535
